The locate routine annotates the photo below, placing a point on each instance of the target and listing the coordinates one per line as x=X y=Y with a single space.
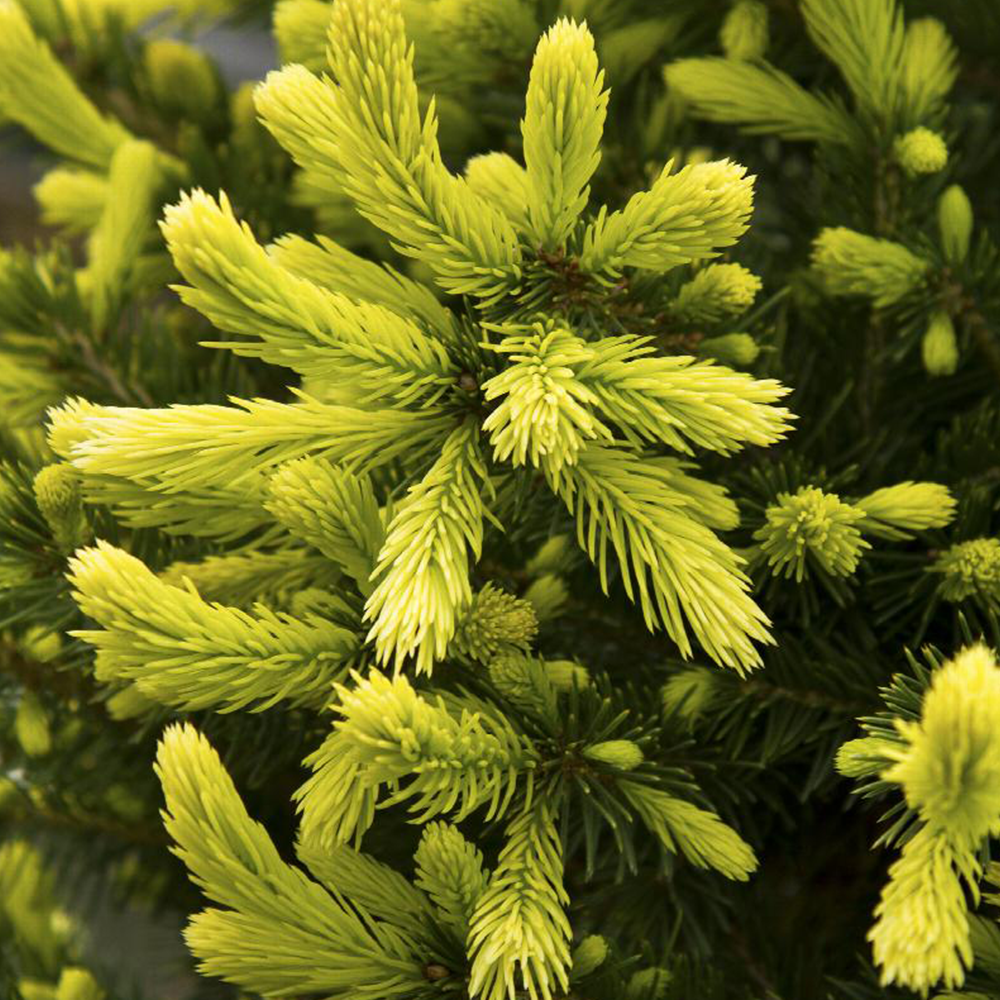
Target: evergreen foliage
x=468 y=453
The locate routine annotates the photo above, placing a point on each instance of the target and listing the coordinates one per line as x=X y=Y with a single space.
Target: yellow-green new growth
x=921 y=933
x=71 y=198
x=894 y=511
x=699 y=835
x=519 y=935
x=969 y=569
x=275 y=931
x=364 y=135
x=949 y=767
x=671 y=563
x=495 y=621
x=864 y=38
x=562 y=129
x=921 y=151
x=450 y=870
x=181 y=78
x=436 y=757
x=331 y=509
x=811 y=524
x=744 y=31
x=423 y=566
x=185 y=653
x=760 y=98
x=929 y=67
x=38 y=93
x=852 y=263
x=368 y=349
x=682 y=218
x=715 y=292
x=546 y=414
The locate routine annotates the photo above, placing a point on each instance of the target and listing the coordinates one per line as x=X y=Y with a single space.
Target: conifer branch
x=394 y=171
x=280 y=932
x=209 y=446
x=671 y=564
x=519 y=935
x=562 y=130
x=423 y=566
x=364 y=347
x=682 y=218
x=185 y=653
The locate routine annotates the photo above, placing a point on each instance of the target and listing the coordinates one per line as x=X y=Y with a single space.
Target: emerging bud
x=32 y=726
x=181 y=78
x=851 y=263
x=812 y=523
x=70 y=198
x=939 y=347
x=921 y=151
x=955 y=223
x=744 y=31
x=970 y=568
x=648 y=984
x=78 y=984
x=589 y=955
x=59 y=498
x=623 y=754
x=730 y=349
x=689 y=693
x=715 y=292
x=495 y=620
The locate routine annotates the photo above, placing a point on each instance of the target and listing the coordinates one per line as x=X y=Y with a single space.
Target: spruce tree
x=504 y=506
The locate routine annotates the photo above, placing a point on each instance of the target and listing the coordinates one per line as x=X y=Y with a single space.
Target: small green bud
x=78 y=984
x=921 y=151
x=40 y=644
x=939 y=347
x=744 y=31
x=811 y=522
x=32 y=727
x=955 y=223
x=864 y=757
x=730 y=349
x=181 y=78
x=503 y=29
x=589 y=955
x=970 y=568
x=494 y=621
x=648 y=984
x=715 y=292
x=623 y=754
x=60 y=499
